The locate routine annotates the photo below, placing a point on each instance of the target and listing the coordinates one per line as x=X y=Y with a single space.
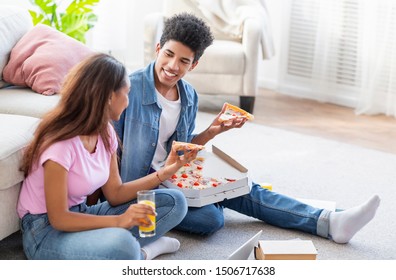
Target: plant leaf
x=48 y=10
x=81 y=6
x=75 y=25
x=75 y=21
x=38 y=18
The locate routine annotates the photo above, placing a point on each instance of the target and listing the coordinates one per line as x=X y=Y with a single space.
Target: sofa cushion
x=42 y=58
x=172 y=7
x=222 y=57
x=24 y=101
x=18 y=131
x=14 y=23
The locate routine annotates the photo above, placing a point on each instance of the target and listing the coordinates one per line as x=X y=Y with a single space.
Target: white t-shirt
x=168 y=122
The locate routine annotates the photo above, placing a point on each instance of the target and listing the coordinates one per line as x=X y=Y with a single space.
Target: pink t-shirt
x=86 y=173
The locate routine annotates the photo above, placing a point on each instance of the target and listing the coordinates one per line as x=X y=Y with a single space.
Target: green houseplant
x=75 y=20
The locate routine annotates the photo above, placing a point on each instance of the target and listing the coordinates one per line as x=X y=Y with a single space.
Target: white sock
x=345 y=224
x=162 y=245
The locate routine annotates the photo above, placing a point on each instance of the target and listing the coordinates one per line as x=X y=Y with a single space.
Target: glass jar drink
x=147 y=197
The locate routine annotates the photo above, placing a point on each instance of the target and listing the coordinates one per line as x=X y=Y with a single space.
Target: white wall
x=269 y=70
x=22 y=3
x=134 y=12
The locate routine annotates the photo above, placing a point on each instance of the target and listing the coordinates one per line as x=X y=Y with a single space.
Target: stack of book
x=285 y=250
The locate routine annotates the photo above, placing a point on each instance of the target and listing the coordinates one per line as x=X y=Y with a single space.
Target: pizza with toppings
x=191 y=176
x=232 y=112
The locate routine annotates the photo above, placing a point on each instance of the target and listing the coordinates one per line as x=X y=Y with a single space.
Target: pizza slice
x=180 y=146
x=232 y=112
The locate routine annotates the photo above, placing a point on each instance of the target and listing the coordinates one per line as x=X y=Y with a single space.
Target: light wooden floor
x=321 y=119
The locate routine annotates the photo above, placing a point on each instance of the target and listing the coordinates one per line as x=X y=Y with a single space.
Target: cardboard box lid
x=229 y=159
x=218 y=164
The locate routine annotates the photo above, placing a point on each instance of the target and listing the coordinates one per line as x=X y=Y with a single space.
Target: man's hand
x=218 y=126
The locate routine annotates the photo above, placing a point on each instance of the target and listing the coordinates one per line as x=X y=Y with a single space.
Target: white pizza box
x=217 y=164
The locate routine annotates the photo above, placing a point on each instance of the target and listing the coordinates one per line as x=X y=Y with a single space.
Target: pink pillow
x=42 y=58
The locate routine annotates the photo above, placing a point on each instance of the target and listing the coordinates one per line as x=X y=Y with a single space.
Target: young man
x=163 y=108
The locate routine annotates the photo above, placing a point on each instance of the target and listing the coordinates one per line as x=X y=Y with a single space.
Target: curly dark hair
x=189 y=30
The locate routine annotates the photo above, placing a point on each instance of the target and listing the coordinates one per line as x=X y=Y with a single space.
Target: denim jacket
x=138 y=127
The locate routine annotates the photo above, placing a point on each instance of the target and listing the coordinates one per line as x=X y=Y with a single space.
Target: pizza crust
x=181 y=146
x=233 y=112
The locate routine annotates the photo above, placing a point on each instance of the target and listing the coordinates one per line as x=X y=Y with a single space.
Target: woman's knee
x=175 y=201
x=180 y=202
x=119 y=244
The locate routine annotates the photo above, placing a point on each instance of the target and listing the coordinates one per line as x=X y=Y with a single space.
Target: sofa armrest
x=153 y=24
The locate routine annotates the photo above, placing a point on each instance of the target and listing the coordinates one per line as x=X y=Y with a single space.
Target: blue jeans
x=270 y=207
x=42 y=241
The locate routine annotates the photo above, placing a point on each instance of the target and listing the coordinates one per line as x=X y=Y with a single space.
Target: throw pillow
x=42 y=58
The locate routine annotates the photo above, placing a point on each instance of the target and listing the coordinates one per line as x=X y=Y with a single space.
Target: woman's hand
x=136 y=215
x=175 y=161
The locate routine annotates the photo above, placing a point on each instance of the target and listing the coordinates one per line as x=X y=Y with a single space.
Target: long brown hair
x=83 y=108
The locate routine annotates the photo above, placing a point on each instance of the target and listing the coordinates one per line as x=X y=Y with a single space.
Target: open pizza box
x=216 y=164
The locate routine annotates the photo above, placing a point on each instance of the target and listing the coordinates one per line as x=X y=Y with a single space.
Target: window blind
x=323 y=44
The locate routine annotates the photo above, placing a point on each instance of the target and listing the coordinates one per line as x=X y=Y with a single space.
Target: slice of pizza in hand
x=232 y=112
x=180 y=146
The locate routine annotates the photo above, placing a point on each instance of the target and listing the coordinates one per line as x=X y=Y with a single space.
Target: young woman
x=73 y=153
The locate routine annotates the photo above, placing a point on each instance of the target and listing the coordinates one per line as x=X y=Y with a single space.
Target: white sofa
x=20 y=111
